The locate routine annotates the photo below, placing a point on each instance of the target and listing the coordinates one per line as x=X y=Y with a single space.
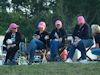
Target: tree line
x=27 y=13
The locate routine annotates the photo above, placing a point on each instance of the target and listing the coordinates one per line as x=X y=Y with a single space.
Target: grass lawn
x=52 y=69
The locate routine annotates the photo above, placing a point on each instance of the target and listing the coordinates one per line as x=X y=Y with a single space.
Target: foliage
x=27 y=13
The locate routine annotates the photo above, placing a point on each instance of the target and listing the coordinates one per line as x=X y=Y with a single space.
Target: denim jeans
x=82 y=45
x=96 y=51
x=35 y=44
x=54 y=48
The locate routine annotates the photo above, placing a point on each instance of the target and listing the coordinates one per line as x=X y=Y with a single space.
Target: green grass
x=52 y=69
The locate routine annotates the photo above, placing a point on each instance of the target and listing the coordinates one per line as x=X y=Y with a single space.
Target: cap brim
x=17 y=25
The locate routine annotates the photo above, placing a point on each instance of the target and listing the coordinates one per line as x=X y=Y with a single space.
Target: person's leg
x=31 y=50
x=87 y=43
x=35 y=44
x=96 y=51
x=71 y=52
x=54 y=46
x=7 y=55
x=81 y=47
x=17 y=54
x=40 y=45
x=12 y=56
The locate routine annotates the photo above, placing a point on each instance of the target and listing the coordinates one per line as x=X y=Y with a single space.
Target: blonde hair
x=95 y=29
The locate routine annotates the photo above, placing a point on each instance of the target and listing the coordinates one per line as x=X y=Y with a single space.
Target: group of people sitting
x=55 y=41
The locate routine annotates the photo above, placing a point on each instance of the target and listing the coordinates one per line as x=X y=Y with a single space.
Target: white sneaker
x=69 y=60
x=84 y=61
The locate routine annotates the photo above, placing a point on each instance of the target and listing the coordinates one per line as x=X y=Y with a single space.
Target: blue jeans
x=82 y=45
x=54 y=48
x=96 y=51
x=35 y=44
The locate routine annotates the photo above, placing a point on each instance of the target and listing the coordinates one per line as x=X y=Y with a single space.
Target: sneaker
x=30 y=63
x=83 y=61
x=69 y=60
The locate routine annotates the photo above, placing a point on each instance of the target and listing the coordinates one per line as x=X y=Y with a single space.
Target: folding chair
x=40 y=56
x=87 y=49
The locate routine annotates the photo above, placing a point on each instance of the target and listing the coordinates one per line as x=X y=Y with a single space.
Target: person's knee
x=80 y=43
x=81 y=46
x=52 y=42
x=33 y=41
x=95 y=50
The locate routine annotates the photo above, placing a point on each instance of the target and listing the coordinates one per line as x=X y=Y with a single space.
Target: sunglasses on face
x=58 y=24
x=14 y=28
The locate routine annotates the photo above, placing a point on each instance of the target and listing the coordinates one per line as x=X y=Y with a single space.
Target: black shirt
x=60 y=32
x=84 y=32
x=17 y=38
x=42 y=36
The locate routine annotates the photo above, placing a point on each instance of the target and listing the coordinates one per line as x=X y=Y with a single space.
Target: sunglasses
x=58 y=24
x=14 y=28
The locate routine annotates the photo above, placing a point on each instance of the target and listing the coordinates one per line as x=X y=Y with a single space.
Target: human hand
x=8 y=46
x=36 y=36
x=46 y=37
x=60 y=39
x=76 y=40
x=11 y=46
